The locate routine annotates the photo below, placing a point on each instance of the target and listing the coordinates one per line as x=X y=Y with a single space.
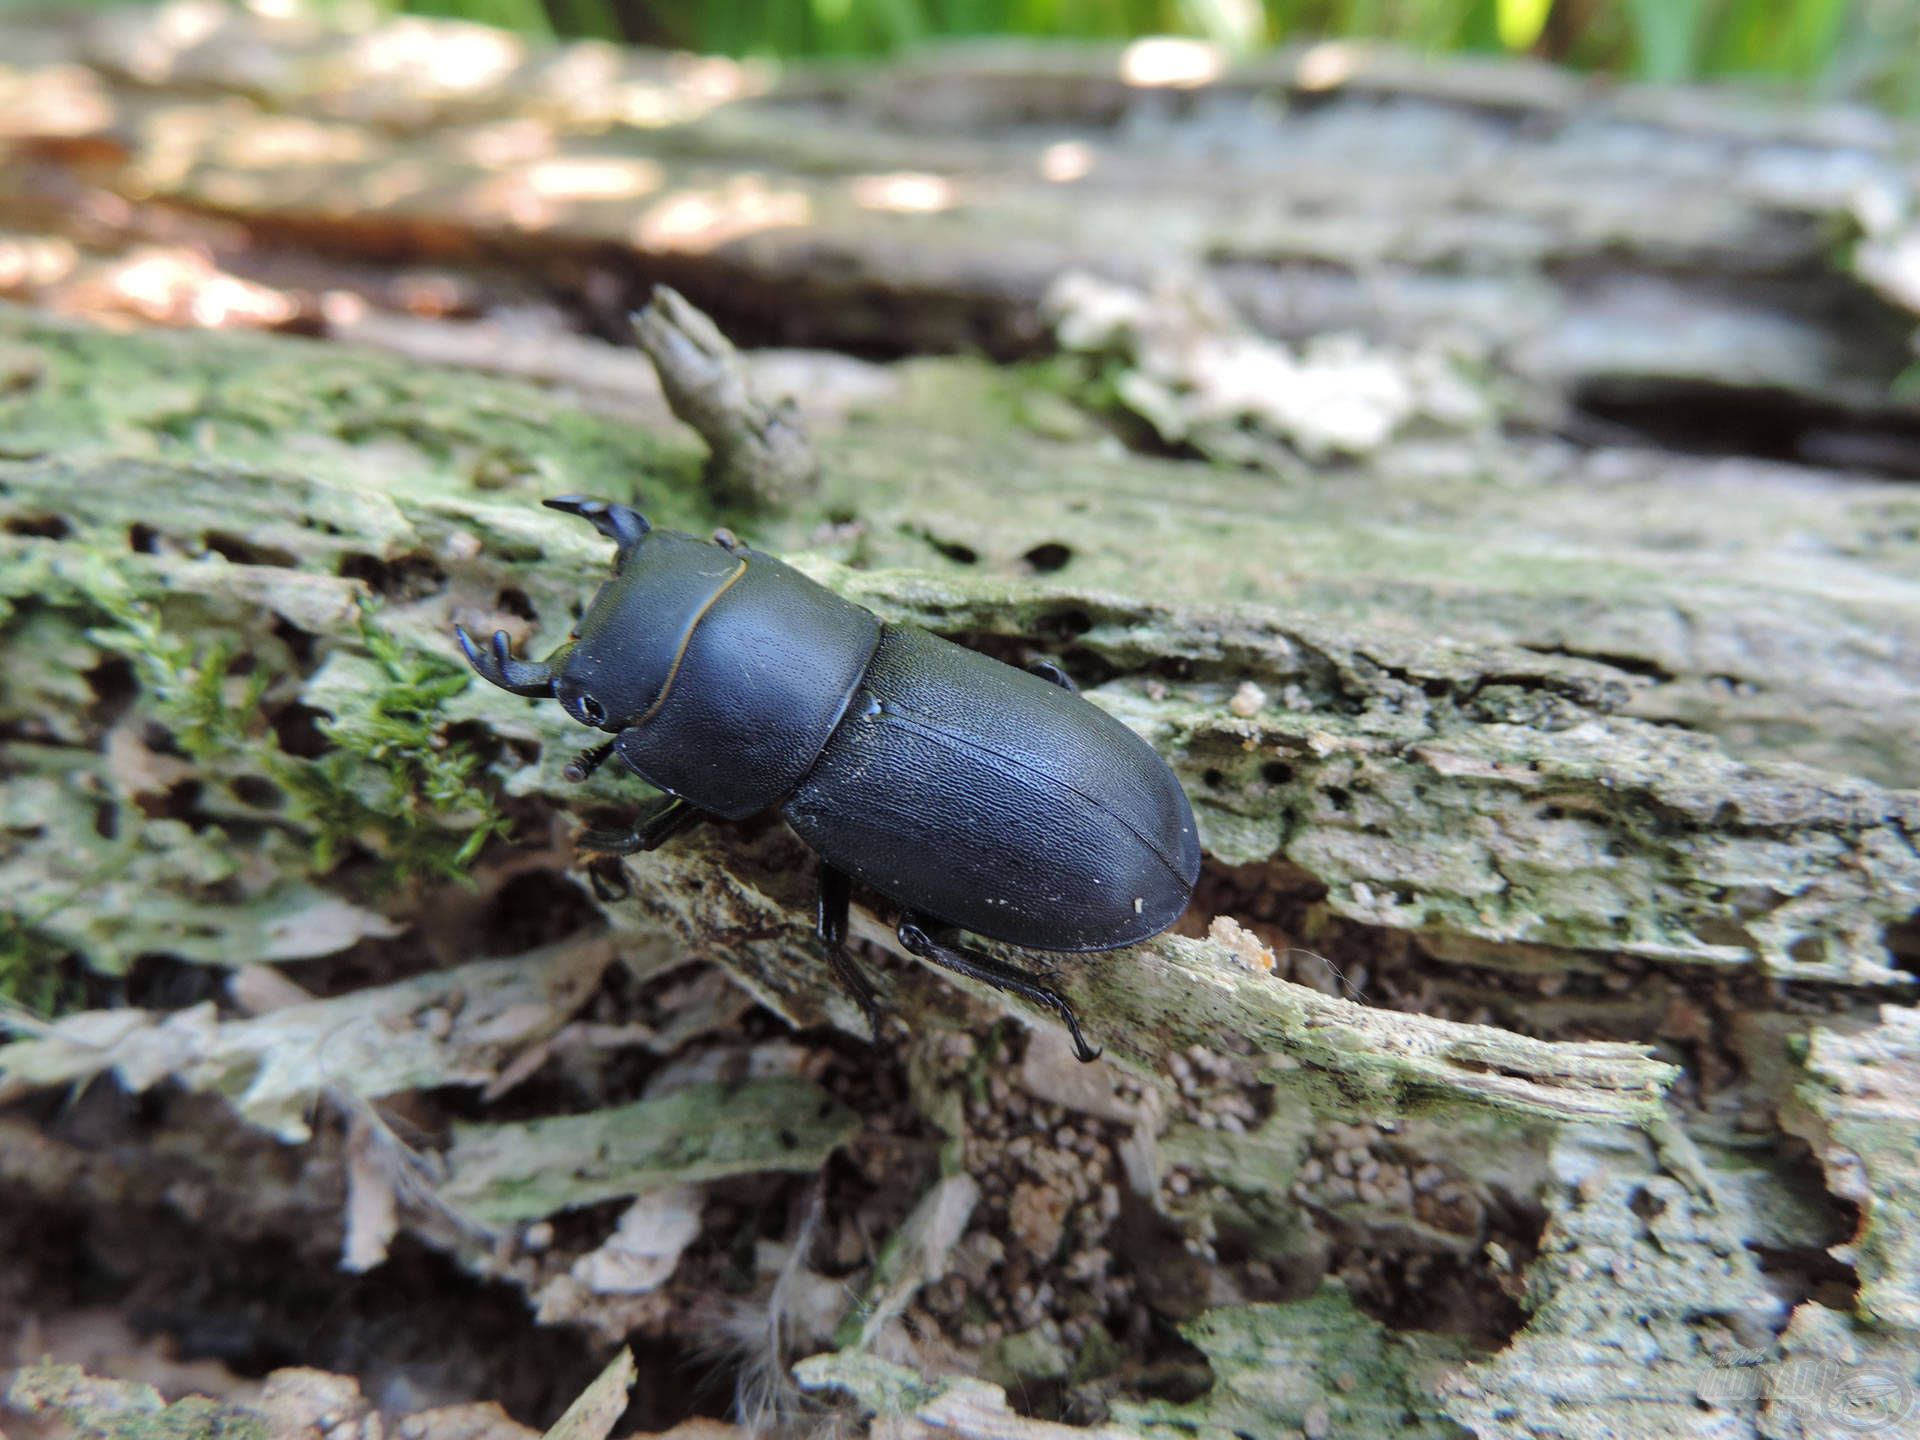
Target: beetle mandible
x=976 y=796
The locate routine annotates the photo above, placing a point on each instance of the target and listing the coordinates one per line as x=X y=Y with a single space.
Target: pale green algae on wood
x=373 y=1042
x=1317 y=1366
x=125 y=1409
x=529 y=1169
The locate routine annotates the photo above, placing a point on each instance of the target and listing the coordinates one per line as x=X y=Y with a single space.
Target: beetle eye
x=590 y=708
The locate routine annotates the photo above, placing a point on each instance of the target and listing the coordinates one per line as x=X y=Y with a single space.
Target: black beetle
x=977 y=796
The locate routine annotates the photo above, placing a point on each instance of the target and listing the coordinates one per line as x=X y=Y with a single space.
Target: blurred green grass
x=1862 y=49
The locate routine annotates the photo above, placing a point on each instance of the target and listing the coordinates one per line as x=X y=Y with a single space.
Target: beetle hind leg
x=830 y=924
x=1012 y=979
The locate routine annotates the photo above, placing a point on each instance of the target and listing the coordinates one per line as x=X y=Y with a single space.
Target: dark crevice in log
x=257 y=1302
x=1697 y=418
x=1631 y=664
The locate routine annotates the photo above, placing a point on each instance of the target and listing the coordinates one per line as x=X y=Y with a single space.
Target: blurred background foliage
x=1858 y=49
x=1865 y=49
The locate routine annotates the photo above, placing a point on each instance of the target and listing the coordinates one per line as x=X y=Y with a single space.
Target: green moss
x=393 y=785
x=397 y=783
x=186 y=683
x=31 y=976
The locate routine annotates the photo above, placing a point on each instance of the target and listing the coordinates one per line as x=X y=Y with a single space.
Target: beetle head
x=626 y=651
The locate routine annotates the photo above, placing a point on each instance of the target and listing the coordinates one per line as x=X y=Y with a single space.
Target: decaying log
x=1555 y=777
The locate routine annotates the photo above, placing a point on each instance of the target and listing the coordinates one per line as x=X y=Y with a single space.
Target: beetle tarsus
x=1050 y=671
x=1001 y=976
x=830 y=912
x=855 y=982
x=649 y=832
x=587 y=761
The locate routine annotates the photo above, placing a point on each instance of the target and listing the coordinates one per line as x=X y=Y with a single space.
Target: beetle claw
x=651 y=831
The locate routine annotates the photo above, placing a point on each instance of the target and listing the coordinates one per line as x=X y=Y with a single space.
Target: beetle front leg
x=830 y=913
x=915 y=937
x=650 y=832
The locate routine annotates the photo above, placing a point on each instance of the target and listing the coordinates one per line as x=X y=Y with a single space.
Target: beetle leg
x=996 y=973
x=650 y=832
x=497 y=665
x=621 y=524
x=1050 y=671
x=830 y=924
x=587 y=761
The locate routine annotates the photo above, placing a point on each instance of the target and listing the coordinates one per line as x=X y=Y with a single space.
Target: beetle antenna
x=622 y=524
x=497 y=665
